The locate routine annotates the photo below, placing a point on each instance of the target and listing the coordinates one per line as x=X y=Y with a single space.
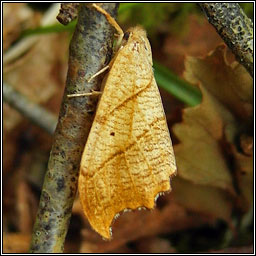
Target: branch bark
x=235 y=28
x=89 y=50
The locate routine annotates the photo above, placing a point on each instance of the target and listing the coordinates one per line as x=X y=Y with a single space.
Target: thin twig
x=235 y=28
x=67 y=13
x=89 y=51
x=38 y=115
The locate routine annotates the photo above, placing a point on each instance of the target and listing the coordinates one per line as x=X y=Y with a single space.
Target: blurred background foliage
x=160 y=16
x=158 y=19
x=170 y=16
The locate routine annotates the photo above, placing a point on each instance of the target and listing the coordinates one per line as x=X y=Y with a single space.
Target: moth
x=128 y=158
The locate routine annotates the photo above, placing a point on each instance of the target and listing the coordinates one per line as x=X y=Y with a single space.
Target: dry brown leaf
x=199 y=155
x=154 y=245
x=168 y=217
x=16 y=18
x=39 y=75
x=24 y=204
x=138 y=224
x=229 y=84
x=206 y=200
x=16 y=243
x=244 y=176
x=233 y=87
x=208 y=153
x=198 y=39
x=234 y=250
x=35 y=74
x=242 y=155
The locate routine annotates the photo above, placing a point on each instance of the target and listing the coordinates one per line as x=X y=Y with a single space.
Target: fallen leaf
x=243 y=165
x=16 y=18
x=197 y=40
x=205 y=200
x=209 y=156
x=230 y=84
x=16 y=242
x=154 y=245
x=199 y=156
x=138 y=224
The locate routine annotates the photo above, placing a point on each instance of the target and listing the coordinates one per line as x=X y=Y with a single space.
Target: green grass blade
x=179 y=88
x=55 y=28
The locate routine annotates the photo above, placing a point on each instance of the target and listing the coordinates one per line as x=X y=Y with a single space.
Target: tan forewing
x=128 y=158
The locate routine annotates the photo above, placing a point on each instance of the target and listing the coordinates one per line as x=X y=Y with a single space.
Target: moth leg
x=92 y=93
x=112 y=22
x=98 y=73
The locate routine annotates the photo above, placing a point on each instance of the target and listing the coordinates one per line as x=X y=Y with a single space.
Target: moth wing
x=128 y=158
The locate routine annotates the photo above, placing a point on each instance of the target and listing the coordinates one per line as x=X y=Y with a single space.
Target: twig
x=89 y=51
x=235 y=28
x=67 y=13
x=38 y=115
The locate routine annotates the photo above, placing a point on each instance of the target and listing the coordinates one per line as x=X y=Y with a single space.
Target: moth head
x=138 y=36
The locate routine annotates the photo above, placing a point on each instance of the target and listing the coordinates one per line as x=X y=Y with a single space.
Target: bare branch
x=89 y=51
x=235 y=28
